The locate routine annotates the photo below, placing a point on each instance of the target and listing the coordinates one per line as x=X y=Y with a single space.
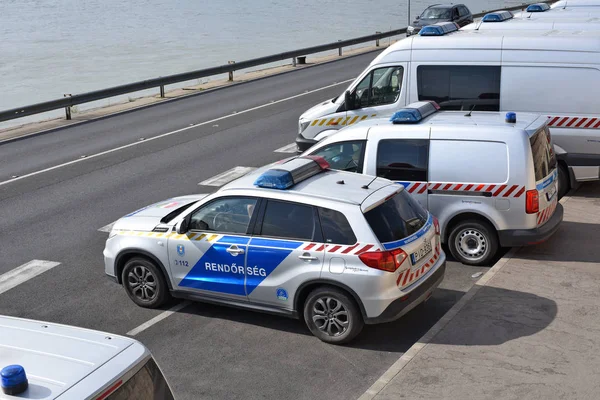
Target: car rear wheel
x=473 y=242
x=332 y=316
x=563 y=181
x=145 y=283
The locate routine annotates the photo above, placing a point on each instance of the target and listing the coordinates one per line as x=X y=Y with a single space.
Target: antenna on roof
x=480 y=22
x=565 y=5
x=470 y=111
x=529 y=16
x=368 y=184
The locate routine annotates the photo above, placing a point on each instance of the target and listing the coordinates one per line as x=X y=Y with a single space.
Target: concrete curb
x=414 y=350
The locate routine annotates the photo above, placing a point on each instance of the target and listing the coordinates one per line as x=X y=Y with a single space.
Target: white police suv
x=293 y=238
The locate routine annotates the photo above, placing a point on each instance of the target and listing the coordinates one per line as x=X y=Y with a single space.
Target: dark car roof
x=445 y=5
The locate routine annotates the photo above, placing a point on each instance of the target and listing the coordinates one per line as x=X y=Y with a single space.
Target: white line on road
x=227 y=176
x=136 y=143
x=158 y=318
x=23 y=273
x=107 y=228
x=288 y=148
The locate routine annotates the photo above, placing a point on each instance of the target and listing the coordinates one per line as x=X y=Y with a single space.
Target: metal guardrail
x=72 y=100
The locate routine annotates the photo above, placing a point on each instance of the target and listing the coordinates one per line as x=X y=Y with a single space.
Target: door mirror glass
x=182 y=226
x=349 y=100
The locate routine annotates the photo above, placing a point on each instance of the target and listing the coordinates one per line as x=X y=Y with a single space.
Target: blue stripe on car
x=402 y=242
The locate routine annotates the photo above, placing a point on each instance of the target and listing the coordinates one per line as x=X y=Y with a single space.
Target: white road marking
x=158 y=318
x=91 y=156
x=227 y=176
x=107 y=228
x=288 y=148
x=24 y=273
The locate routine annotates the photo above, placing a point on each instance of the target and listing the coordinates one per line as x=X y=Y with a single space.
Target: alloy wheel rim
x=330 y=316
x=142 y=283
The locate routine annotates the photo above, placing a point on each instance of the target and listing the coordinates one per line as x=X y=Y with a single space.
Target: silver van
x=491 y=179
x=40 y=360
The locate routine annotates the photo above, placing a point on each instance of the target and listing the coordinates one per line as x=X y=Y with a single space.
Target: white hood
x=321 y=109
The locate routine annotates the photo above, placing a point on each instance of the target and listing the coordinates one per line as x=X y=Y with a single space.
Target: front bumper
x=524 y=237
x=303 y=144
x=404 y=304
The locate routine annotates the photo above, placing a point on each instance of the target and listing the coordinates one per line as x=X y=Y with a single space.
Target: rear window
x=544 y=160
x=397 y=218
x=147 y=384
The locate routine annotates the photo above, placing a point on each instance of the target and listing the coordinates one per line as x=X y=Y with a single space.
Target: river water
x=52 y=47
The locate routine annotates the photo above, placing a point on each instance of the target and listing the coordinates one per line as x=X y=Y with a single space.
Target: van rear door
x=546 y=174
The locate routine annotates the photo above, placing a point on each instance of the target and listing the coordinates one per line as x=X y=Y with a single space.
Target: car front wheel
x=145 y=283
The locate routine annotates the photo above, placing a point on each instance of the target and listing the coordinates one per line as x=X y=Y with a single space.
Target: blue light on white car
x=511 y=117
x=439 y=29
x=538 y=7
x=415 y=112
x=13 y=380
x=291 y=172
x=498 y=16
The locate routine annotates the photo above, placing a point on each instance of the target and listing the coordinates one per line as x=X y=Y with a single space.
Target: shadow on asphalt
x=588 y=190
x=495 y=316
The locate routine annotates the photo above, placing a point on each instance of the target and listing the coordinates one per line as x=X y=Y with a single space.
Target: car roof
x=323 y=186
x=55 y=357
x=443 y=6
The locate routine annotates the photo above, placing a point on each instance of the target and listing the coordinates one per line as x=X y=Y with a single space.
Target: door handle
x=307 y=257
x=234 y=250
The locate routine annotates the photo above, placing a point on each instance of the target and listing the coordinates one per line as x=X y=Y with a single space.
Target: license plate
x=551 y=192
x=422 y=252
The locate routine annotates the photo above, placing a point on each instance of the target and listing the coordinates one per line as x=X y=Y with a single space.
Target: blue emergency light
x=498 y=16
x=511 y=117
x=291 y=172
x=414 y=113
x=439 y=29
x=13 y=380
x=537 y=7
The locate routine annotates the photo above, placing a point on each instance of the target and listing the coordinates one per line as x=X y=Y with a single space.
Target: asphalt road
x=206 y=351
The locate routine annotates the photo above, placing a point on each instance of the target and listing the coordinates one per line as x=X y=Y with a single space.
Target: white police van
x=42 y=361
x=490 y=181
x=553 y=73
x=505 y=20
x=559 y=10
x=294 y=238
x=576 y=4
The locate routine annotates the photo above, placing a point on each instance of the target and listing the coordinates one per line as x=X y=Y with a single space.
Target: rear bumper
x=401 y=306
x=524 y=237
x=303 y=144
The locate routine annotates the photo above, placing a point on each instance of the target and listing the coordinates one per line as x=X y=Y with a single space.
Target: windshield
x=147 y=384
x=397 y=218
x=436 y=13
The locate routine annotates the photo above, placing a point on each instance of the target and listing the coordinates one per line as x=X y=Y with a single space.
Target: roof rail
x=439 y=29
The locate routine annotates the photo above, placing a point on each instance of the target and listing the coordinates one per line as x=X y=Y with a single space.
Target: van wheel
x=563 y=181
x=145 y=283
x=332 y=316
x=473 y=242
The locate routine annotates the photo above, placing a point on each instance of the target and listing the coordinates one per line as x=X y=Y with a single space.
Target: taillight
x=532 y=202
x=436 y=225
x=384 y=260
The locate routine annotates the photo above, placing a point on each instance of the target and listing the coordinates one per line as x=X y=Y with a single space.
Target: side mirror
x=418 y=17
x=349 y=100
x=182 y=226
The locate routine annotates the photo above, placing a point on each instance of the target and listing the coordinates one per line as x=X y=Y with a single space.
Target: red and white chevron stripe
x=574 y=122
x=495 y=190
x=355 y=249
x=546 y=213
x=407 y=277
x=416 y=187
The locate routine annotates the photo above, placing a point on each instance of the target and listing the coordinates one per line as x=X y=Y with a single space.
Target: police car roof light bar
x=291 y=172
x=439 y=29
x=415 y=112
x=498 y=16
x=537 y=7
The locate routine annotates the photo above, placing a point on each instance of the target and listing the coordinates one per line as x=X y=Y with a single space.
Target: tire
x=154 y=291
x=322 y=302
x=563 y=181
x=473 y=242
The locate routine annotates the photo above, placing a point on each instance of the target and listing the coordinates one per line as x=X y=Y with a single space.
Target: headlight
x=302 y=126
x=410 y=29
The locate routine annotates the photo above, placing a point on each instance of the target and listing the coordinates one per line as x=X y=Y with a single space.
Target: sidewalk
x=531 y=331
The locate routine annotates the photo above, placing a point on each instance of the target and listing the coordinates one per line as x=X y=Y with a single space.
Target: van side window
x=403 y=159
x=458 y=87
x=345 y=156
x=380 y=86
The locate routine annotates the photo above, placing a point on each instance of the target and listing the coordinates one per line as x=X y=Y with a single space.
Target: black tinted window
x=147 y=384
x=457 y=87
x=288 y=220
x=544 y=160
x=345 y=156
x=397 y=218
x=403 y=160
x=336 y=228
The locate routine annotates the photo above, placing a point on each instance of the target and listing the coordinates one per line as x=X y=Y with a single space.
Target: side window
x=228 y=215
x=345 y=156
x=336 y=228
x=381 y=86
x=403 y=159
x=289 y=220
x=464 y=11
x=455 y=13
x=458 y=87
